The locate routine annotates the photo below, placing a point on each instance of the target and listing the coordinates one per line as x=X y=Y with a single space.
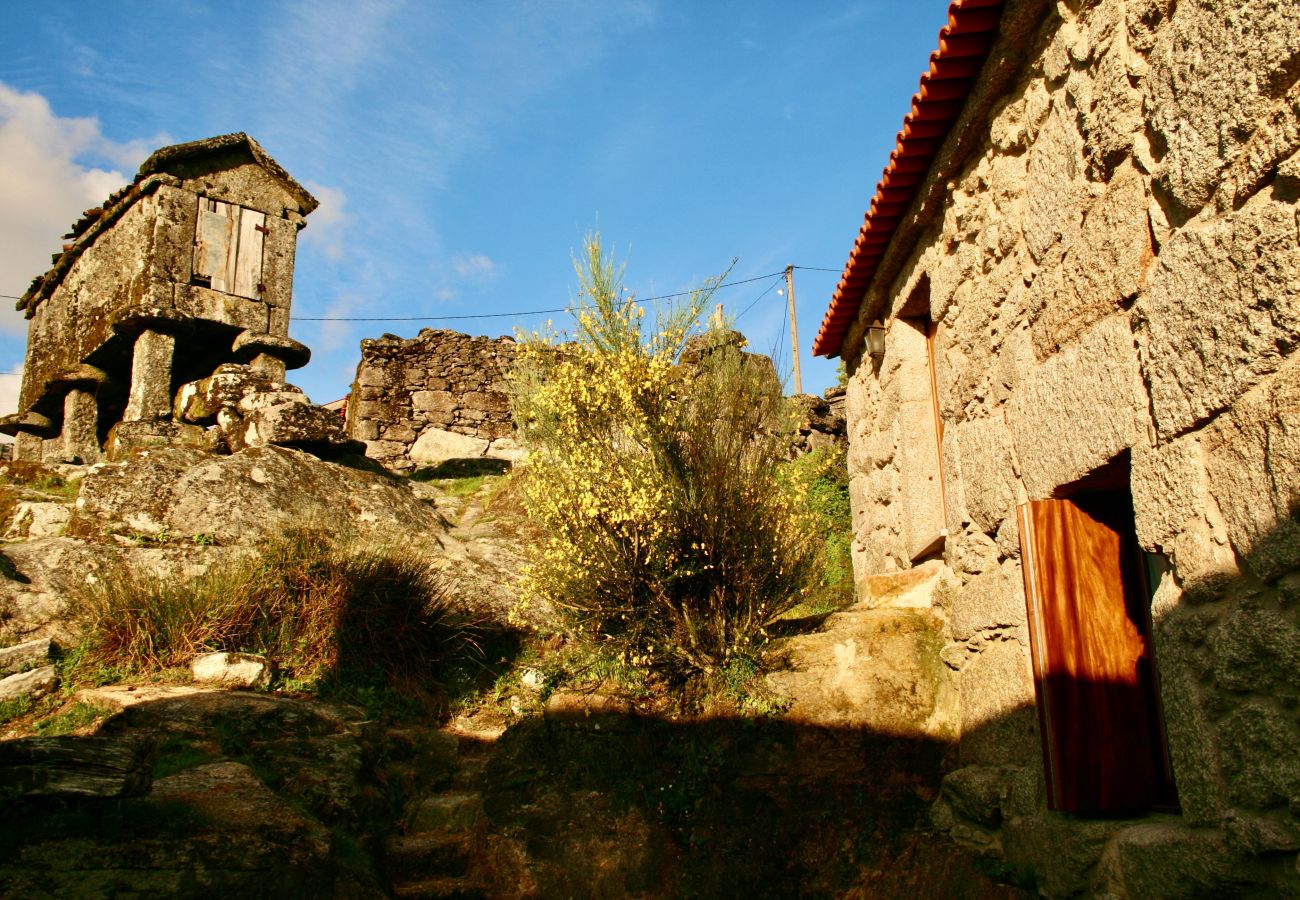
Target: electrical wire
x=533 y=312
x=775 y=281
x=530 y=312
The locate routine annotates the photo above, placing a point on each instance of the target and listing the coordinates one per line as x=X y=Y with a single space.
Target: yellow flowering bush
x=668 y=533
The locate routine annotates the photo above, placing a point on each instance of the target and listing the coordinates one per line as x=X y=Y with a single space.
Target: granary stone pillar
x=79 y=438
x=81 y=424
x=270 y=354
x=150 y=397
x=27 y=446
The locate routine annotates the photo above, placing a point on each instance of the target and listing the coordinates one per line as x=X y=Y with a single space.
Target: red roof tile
x=963 y=45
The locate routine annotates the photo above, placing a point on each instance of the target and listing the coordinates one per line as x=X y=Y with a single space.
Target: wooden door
x=228 y=245
x=1098 y=711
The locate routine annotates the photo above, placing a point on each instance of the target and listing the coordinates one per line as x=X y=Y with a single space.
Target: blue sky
x=462 y=150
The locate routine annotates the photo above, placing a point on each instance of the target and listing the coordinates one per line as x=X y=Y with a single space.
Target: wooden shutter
x=1103 y=746
x=228 y=247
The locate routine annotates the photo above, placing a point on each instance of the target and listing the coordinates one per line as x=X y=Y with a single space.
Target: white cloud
x=327 y=226
x=47 y=177
x=474 y=266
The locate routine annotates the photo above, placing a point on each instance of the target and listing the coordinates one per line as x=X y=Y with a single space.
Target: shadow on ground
x=271 y=796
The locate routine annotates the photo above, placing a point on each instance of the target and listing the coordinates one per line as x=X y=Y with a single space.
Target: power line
x=532 y=312
x=540 y=312
x=775 y=281
x=818 y=269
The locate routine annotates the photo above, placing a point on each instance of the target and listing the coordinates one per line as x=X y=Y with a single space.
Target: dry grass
x=323 y=610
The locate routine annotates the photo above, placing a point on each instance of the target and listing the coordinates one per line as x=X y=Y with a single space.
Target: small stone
x=36 y=683
x=237 y=670
x=19 y=655
x=532 y=680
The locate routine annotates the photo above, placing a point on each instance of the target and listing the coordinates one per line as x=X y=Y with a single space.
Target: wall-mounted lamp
x=876 y=341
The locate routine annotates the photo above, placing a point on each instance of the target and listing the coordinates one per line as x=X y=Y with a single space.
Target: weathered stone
x=291 y=424
x=81 y=425
x=37 y=577
x=441 y=379
x=198 y=402
x=448 y=812
x=244 y=497
x=1055 y=188
x=1256 y=650
x=1169 y=490
x=151 y=373
x=989 y=486
x=1220 y=311
x=37 y=519
x=998 y=723
x=993 y=601
x=1258 y=756
x=82 y=766
x=1214 y=73
x=912 y=588
x=19 y=656
x=435 y=445
x=1193 y=745
x=507 y=448
x=1101 y=267
x=871 y=669
x=1079 y=409
x=1253 y=460
x=237 y=670
x=1168 y=860
x=34 y=683
x=976 y=792
x=440 y=401
x=1062 y=853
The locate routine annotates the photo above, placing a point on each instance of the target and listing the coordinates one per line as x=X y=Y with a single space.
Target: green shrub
x=668 y=534
x=821 y=479
x=325 y=610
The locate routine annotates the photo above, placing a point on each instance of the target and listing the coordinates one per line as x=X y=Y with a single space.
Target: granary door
x=1089 y=624
x=228 y=243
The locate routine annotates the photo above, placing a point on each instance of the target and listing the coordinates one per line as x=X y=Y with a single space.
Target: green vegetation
x=66 y=721
x=822 y=478
x=37 y=477
x=15 y=708
x=669 y=537
x=335 y=616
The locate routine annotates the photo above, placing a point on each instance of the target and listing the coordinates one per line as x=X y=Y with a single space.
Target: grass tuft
x=329 y=614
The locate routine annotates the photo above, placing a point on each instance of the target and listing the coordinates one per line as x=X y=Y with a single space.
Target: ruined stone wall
x=440 y=395
x=1115 y=271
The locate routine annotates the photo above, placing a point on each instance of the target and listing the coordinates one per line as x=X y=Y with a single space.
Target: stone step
x=416 y=857
x=456 y=888
x=450 y=812
x=469 y=773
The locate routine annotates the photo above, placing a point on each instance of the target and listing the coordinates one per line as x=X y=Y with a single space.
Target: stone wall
x=1113 y=277
x=440 y=395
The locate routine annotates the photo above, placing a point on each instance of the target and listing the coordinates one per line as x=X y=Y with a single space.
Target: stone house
x=185 y=270
x=1070 y=321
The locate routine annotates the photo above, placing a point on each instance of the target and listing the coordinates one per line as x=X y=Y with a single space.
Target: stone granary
x=185 y=271
x=1070 y=322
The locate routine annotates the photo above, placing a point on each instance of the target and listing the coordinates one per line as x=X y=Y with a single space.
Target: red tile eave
x=964 y=43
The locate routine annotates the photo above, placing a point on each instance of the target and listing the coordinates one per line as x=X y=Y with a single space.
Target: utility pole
x=794 y=329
